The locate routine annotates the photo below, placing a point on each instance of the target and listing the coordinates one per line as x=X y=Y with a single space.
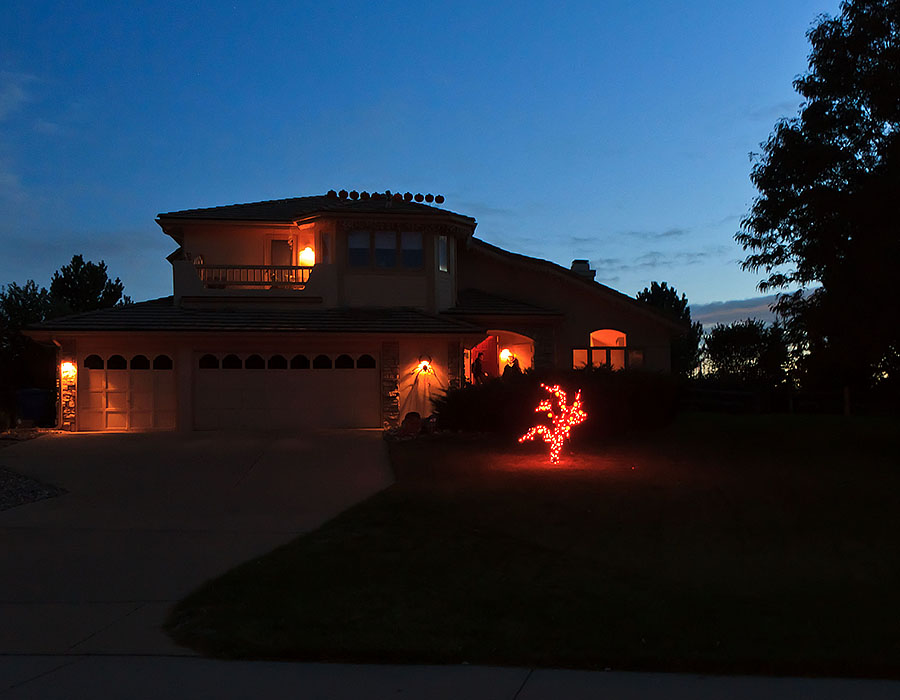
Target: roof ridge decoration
x=388 y=195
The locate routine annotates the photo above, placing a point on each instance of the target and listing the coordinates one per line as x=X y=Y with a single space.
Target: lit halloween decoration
x=307 y=257
x=561 y=422
x=67 y=370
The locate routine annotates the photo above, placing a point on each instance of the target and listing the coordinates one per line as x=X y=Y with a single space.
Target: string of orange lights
x=562 y=420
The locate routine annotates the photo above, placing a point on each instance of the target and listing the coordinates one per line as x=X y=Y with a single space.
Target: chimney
x=583 y=268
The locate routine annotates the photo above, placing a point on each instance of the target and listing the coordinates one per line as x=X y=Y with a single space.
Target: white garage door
x=119 y=393
x=285 y=391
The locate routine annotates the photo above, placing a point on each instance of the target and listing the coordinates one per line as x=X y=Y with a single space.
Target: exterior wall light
x=307 y=257
x=424 y=367
x=506 y=355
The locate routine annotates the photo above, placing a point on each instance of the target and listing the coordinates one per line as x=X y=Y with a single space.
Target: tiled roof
x=588 y=283
x=164 y=315
x=286 y=210
x=476 y=301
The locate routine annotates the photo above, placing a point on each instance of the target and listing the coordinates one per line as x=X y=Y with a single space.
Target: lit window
x=358 y=249
x=442 y=252
x=580 y=358
x=386 y=249
x=411 y=249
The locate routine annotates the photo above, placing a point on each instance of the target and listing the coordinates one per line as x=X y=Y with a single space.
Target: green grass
x=726 y=544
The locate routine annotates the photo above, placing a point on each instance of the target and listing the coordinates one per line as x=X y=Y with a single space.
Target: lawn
x=722 y=544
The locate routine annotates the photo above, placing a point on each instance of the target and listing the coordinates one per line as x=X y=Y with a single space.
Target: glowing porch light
x=67 y=370
x=561 y=422
x=424 y=367
x=506 y=355
x=307 y=257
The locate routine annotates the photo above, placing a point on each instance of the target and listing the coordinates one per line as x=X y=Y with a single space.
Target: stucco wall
x=585 y=311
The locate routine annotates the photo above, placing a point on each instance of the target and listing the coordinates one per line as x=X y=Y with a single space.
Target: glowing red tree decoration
x=561 y=422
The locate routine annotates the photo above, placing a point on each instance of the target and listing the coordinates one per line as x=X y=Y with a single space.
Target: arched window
x=322 y=362
x=365 y=362
x=93 y=362
x=343 y=362
x=607 y=349
x=164 y=362
x=231 y=362
x=300 y=362
x=116 y=362
x=277 y=362
x=254 y=362
x=140 y=362
x=209 y=362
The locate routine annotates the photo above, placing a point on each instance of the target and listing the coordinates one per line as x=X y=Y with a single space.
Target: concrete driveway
x=149 y=517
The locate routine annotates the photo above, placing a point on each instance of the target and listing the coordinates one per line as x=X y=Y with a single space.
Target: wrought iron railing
x=290 y=276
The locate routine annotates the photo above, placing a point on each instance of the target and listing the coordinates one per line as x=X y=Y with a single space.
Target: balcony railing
x=281 y=276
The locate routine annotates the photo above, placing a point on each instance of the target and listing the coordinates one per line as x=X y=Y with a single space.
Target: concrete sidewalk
x=137 y=678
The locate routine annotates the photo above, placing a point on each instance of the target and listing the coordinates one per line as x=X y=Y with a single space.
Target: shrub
x=616 y=402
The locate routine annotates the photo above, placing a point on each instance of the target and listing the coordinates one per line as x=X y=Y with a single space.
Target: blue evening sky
x=613 y=131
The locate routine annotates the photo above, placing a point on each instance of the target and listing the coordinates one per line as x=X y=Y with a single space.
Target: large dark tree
x=78 y=286
x=85 y=286
x=686 y=347
x=747 y=352
x=826 y=218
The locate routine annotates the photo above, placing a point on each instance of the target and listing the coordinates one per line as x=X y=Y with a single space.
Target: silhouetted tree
x=748 y=351
x=686 y=347
x=22 y=362
x=78 y=286
x=85 y=286
x=827 y=211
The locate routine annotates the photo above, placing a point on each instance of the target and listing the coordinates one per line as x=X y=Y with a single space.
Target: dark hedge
x=616 y=402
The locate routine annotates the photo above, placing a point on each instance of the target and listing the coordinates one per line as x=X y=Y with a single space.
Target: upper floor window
x=411 y=249
x=443 y=254
x=358 y=249
x=385 y=249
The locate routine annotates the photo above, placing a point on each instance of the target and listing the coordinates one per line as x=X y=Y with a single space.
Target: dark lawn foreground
x=723 y=544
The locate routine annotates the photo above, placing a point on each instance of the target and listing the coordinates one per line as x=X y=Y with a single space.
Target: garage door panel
x=128 y=399
x=142 y=380
x=141 y=420
x=285 y=399
x=117 y=400
x=92 y=400
x=117 y=380
x=116 y=420
x=142 y=401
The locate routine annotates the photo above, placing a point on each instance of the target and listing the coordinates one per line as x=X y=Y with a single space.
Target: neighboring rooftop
x=289 y=210
x=164 y=315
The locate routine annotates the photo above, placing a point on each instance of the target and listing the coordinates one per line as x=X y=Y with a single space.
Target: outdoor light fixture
x=562 y=422
x=424 y=367
x=307 y=257
x=67 y=370
x=506 y=355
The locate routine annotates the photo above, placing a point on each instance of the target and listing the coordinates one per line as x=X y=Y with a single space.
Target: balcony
x=254 y=276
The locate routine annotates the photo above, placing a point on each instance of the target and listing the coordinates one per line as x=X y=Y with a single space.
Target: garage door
x=284 y=391
x=116 y=392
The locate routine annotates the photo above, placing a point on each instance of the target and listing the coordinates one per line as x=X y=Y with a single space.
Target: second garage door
x=284 y=391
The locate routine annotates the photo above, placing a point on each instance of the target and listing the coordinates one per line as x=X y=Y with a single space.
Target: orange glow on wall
x=562 y=420
x=67 y=370
x=307 y=257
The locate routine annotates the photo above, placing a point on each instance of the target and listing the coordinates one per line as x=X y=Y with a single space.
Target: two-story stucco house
x=341 y=310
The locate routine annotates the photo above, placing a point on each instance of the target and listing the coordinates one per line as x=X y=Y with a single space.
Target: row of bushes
x=616 y=402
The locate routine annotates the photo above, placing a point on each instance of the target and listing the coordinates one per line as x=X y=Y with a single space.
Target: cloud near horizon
x=726 y=312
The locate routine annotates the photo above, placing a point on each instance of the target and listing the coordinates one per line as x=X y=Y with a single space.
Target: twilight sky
x=617 y=132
